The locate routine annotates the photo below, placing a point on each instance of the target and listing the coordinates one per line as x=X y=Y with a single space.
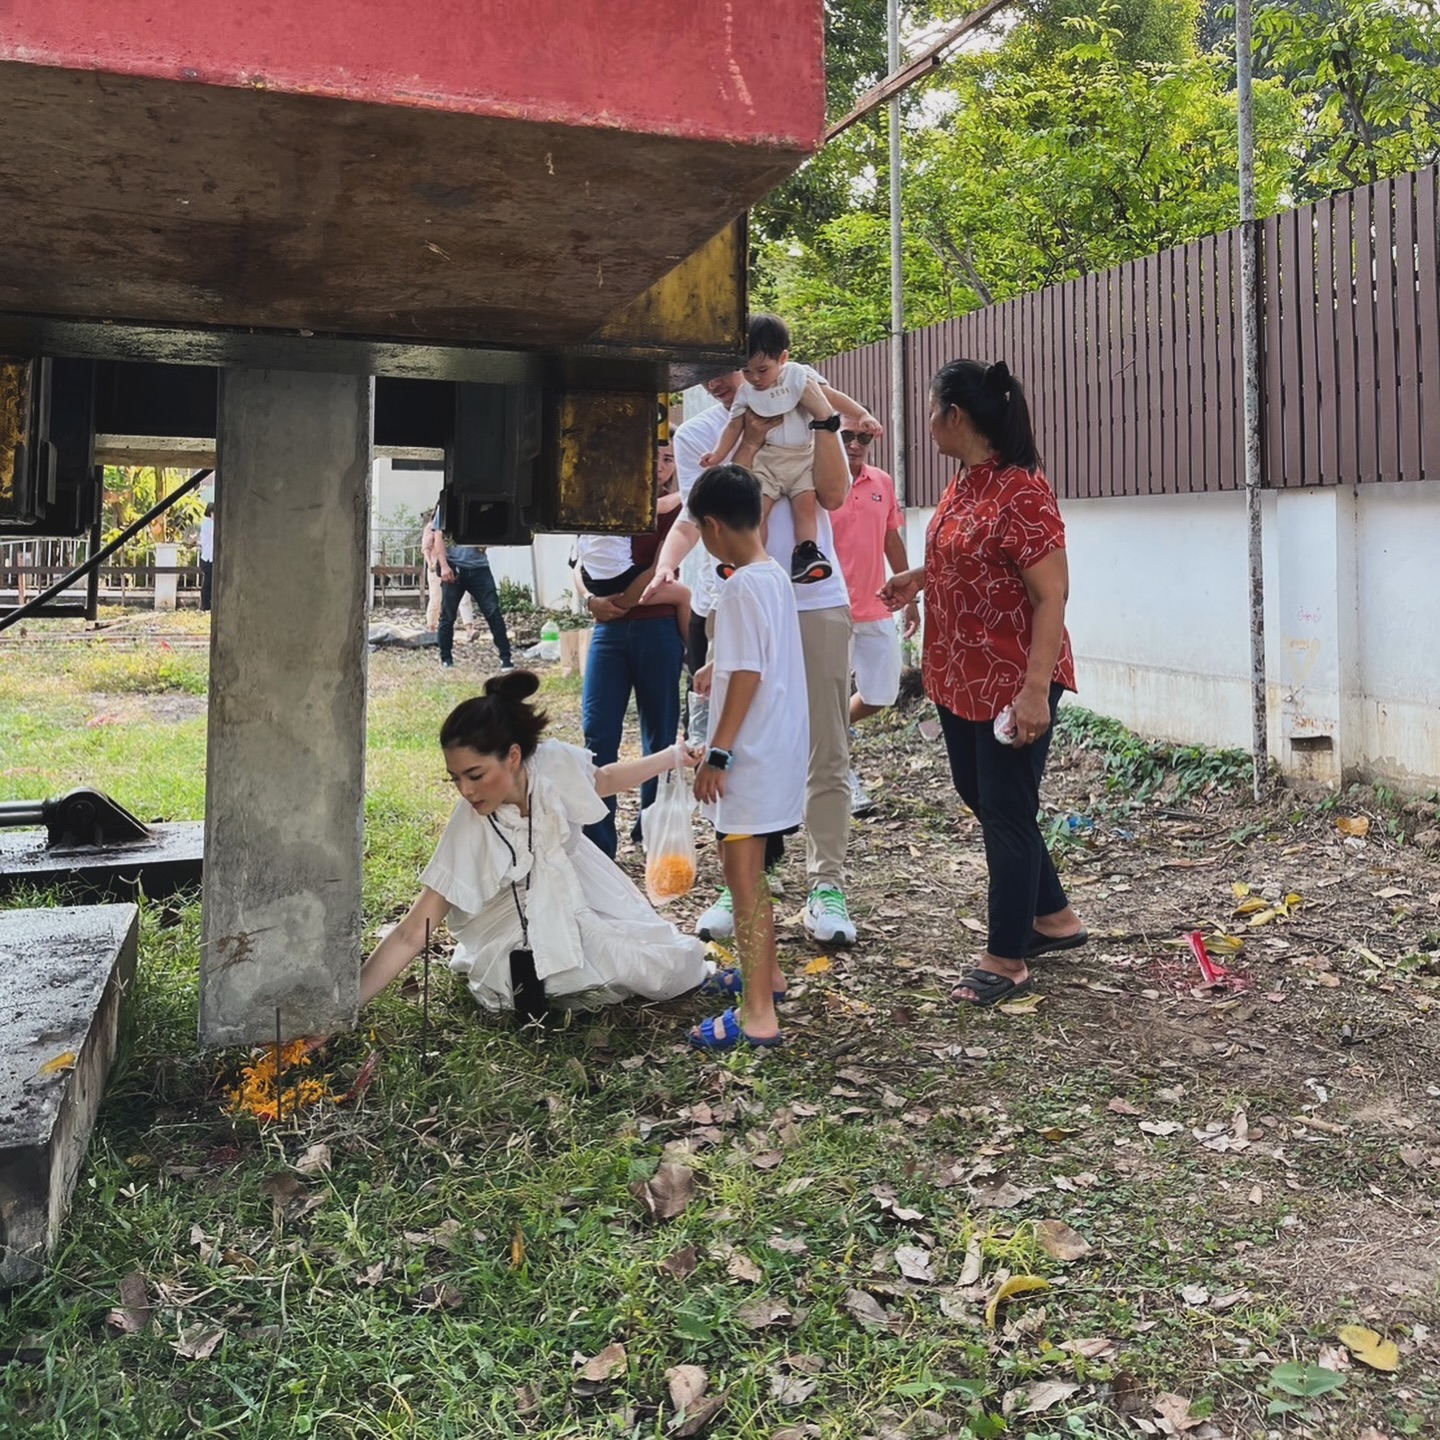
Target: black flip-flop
x=990 y=988
x=1048 y=944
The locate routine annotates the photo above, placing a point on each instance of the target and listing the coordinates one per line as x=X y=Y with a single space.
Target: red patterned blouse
x=990 y=526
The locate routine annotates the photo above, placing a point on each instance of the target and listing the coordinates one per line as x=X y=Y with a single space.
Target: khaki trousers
x=825 y=640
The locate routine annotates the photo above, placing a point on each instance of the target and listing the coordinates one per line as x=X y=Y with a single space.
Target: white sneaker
x=827 y=917
x=718 y=922
x=860 y=801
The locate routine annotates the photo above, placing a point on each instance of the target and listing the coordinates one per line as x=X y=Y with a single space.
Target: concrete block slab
x=64 y=975
x=170 y=859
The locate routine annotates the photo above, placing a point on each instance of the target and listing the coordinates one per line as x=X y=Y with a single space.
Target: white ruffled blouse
x=594 y=936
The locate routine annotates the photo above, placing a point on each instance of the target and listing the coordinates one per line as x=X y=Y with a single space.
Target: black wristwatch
x=832 y=424
x=718 y=759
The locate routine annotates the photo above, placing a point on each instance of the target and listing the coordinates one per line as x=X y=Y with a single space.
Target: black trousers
x=1002 y=786
x=207 y=577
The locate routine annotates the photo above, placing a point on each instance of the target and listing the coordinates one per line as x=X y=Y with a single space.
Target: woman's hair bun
x=997 y=377
x=513 y=685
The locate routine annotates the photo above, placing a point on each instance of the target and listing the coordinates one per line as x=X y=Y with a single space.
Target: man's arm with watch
x=739 y=696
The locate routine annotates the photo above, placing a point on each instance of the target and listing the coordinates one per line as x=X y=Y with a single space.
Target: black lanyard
x=515 y=860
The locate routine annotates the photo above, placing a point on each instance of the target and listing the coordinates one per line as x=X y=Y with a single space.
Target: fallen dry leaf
x=742 y=1267
x=915 y=1263
x=1117 y=1106
x=1000 y=1197
x=1039 y=1395
x=666 y=1194
x=687 y=1384
x=1353 y=824
x=788 y=1245
x=818 y=966
x=792 y=1389
x=1092 y=1347
x=697 y=1416
x=1175 y=1411
x=290 y=1196
x=1195 y=1295
x=889 y=1205
x=681 y=1263
x=439 y=1296
x=974 y=1263
x=517 y=1248
x=1370 y=1348
x=866 y=1309
x=133 y=1313
x=58 y=1066
x=609 y=1363
x=760 y=1314
x=1025 y=1005
x=315 y=1159
x=1060 y=1242
x=768 y=1159
x=1161 y=1127
x=1015 y=1285
x=197 y=1343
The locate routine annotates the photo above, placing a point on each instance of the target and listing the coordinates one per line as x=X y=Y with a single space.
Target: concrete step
x=64 y=975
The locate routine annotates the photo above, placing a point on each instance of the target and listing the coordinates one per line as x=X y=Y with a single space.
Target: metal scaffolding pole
x=897 y=276
x=1250 y=343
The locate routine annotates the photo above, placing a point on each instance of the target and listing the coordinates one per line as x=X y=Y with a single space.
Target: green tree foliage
x=1037 y=163
x=130 y=491
x=1084 y=135
x=1368 y=76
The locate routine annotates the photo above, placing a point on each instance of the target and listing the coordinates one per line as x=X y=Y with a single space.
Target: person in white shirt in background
x=751 y=782
x=869 y=532
x=824 y=611
x=206 y=547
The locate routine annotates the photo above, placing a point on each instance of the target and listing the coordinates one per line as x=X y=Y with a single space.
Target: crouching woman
x=514 y=876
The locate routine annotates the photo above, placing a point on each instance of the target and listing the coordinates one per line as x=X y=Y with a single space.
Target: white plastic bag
x=668 y=834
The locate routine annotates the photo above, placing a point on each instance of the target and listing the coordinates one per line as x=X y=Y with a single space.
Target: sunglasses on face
x=855 y=437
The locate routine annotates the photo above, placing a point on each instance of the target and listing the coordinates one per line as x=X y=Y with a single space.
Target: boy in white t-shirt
x=752 y=781
x=784 y=465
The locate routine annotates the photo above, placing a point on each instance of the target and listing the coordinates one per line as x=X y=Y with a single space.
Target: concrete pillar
x=285 y=782
x=1313 y=602
x=167 y=587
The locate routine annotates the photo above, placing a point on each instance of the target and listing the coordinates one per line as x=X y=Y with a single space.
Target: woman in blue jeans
x=635 y=649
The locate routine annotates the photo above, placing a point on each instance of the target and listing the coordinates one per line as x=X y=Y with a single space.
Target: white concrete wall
x=1159 y=620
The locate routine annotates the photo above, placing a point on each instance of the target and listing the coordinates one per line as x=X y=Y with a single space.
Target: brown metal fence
x=1134 y=374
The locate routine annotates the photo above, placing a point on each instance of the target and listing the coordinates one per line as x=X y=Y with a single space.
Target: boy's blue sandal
x=730 y=982
x=723 y=1032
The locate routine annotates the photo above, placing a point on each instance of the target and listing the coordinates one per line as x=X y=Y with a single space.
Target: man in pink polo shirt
x=868 y=530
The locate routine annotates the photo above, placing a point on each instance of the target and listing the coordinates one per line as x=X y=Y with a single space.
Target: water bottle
x=550 y=641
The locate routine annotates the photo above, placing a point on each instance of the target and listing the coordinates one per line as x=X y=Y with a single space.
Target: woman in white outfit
x=515 y=876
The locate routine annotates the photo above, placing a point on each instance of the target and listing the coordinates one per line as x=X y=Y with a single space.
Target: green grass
x=477 y=1229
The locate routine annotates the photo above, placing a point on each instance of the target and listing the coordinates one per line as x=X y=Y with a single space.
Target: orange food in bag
x=669 y=876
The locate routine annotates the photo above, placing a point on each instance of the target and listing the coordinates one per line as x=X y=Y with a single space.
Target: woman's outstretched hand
x=900 y=590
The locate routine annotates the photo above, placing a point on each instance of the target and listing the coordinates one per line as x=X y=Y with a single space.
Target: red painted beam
x=718 y=70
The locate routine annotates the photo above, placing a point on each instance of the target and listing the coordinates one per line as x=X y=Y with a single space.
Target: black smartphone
x=527 y=989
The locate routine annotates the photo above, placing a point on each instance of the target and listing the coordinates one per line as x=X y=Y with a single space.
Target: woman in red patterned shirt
x=996 y=582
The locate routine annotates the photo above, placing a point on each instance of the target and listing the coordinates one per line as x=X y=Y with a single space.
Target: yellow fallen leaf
x=818 y=966
x=1025 y=1005
x=1369 y=1348
x=1015 y=1285
x=1250 y=906
x=1240 y=889
x=517 y=1249
x=718 y=953
x=1264 y=917
x=58 y=1065
x=1294 y=900
x=1220 y=941
x=1353 y=824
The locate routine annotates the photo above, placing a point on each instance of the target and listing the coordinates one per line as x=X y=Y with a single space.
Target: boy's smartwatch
x=832 y=424
x=718 y=759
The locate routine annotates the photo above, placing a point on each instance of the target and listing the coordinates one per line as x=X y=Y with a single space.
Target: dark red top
x=991 y=525
x=643 y=550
